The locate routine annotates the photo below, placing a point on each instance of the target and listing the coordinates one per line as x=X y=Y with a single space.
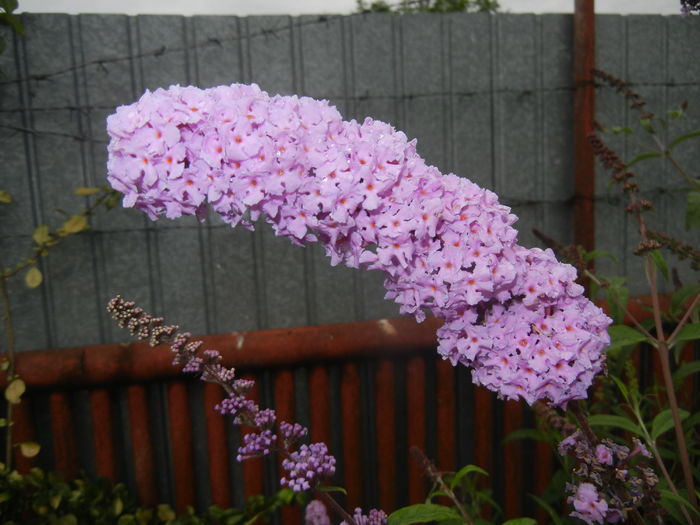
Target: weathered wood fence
x=370 y=390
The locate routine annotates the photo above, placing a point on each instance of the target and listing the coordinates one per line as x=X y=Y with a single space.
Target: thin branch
x=683 y=320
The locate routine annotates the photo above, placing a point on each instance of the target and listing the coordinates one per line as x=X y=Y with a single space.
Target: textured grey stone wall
x=488 y=97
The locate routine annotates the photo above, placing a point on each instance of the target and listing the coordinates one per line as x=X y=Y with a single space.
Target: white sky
x=264 y=7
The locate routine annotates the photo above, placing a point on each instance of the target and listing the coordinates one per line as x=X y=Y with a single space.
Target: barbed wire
x=164 y=50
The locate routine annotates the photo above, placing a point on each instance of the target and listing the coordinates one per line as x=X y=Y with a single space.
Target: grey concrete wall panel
x=488 y=97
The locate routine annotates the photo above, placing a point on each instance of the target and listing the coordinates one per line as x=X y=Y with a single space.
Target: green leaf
x=667 y=494
x=33 y=277
x=688 y=333
x=525 y=433
x=464 y=471
x=546 y=506
x=663 y=422
x=597 y=254
x=5 y=197
x=165 y=513
x=684 y=371
x=692 y=210
x=14 y=391
x=683 y=138
x=681 y=296
x=41 y=234
x=520 y=521
x=68 y=519
x=660 y=262
x=643 y=156
x=75 y=224
x=117 y=506
x=622 y=335
x=84 y=190
x=607 y=420
x=29 y=449
x=325 y=488
x=420 y=513
x=622 y=386
x=646 y=124
x=616 y=130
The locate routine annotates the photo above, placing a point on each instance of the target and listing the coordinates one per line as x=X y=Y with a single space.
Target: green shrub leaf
x=75 y=224
x=622 y=335
x=520 y=521
x=41 y=234
x=33 y=277
x=422 y=512
x=5 y=197
x=684 y=371
x=692 y=211
x=29 y=449
x=14 y=391
x=606 y=420
x=83 y=190
x=464 y=471
x=663 y=422
x=688 y=333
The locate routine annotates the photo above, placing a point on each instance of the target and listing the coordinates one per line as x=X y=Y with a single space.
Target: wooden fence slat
x=544 y=462
x=483 y=434
x=284 y=407
x=180 y=425
x=65 y=449
x=446 y=415
x=320 y=413
x=415 y=423
x=253 y=469
x=512 y=460
x=103 y=434
x=219 y=475
x=352 y=449
x=22 y=430
x=141 y=445
x=385 y=418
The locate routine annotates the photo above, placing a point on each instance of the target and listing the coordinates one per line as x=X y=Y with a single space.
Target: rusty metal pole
x=584 y=115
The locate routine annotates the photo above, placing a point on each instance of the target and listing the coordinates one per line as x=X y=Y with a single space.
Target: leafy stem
x=10 y=356
x=663 y=349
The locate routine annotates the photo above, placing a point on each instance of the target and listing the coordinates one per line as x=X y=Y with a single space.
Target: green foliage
x=47 y=498
x=429 y=6
x=8 y=18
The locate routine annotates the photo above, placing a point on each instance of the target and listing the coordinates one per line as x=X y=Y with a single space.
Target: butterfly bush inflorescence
x=513 y=314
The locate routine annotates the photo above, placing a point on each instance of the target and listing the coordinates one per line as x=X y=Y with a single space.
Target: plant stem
x=337 y=507
x=10 y=340
x=668 y=382
x=623 y=307
x=683 y=320
x=436 y=476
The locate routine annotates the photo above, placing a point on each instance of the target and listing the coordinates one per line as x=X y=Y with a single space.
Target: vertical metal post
x=584 y=115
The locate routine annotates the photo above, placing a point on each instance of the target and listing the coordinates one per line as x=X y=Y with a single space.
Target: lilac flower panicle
x=306 y=466
x=515 y=315
x=256 y=444
x=316 y=514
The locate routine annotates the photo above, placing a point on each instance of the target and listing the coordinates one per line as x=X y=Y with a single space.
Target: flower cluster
x=315 y=513
x=610 y=478
x=375 y=517
x=515 y=315
x=305 y=466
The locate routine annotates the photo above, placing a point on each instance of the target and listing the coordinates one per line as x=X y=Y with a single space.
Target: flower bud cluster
x=306 y=466
x=374 y=517
x=515 y=315
x=609 y=479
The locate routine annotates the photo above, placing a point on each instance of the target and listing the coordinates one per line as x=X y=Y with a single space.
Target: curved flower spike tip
x=515 y=315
